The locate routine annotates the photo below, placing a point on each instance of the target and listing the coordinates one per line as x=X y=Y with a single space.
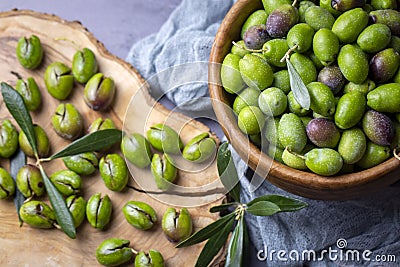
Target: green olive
x=8 y=139
x=37 y=214
x=29 y=52
x=30 y=181
x=59 y=80
x=67 y=121
x=114 y=172
x=140 y=215
x=114 y=252
x=83 y=164
x=163 y=170
x=164 y=138
x=99 y=92
x=100 y=124
x=374 y=155
x=136 y=149
x=251 y=120
x=177 y=226
x=77 y=207
x=200 y=148
x=7 y=185
x=84 y=65
x=42 y=141
x=324 y=161
x=67 y=182
x=30 y=92
x=98 y=211
x=151 y=259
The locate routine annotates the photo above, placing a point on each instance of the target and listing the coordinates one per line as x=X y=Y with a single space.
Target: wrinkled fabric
x=367 y=224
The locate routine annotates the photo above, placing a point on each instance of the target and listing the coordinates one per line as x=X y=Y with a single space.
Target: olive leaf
x=63 y=216
x=235 y=248
x=16 y=163
x=207 y=232
x=92 y=142
x=285 y=204
x=16 y=106
x=263 y=208
x=221 y=207
x=300 y=91
x=214 y=244
x=227 y=171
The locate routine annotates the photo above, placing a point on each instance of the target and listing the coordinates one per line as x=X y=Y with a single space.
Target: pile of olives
x=137 y=149
x=68 y=123
x=346 y=52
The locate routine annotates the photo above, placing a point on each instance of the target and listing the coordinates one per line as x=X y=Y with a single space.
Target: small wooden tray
x=22 y=246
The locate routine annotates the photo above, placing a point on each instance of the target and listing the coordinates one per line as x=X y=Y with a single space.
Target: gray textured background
x=116 y=23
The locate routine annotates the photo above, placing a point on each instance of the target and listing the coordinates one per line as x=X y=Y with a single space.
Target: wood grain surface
x=27 y=246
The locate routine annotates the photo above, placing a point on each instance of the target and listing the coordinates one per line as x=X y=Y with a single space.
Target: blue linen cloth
x=357 y=226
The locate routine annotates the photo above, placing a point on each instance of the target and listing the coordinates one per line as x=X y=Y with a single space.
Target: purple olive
x=323 y=132
x=378 y=127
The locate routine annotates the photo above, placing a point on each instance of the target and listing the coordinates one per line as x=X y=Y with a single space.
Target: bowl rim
x=295 y=181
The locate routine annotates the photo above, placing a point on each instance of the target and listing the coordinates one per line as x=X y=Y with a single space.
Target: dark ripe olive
x=378 y=127
x=332 y=77
x=383 y=65
x=281 y=20
x=389 y=17
x=256 y=36
x=323 y=132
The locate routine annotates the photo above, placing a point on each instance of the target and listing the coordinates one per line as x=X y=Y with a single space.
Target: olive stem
x=294 y=2
x=248 y=49
x=42 y=160
x=396 y=153
x=193 y=194
x=134 y=251
x=296 y=154
x=287 y=54
x=57 y=226
x=76 y=46
x=29 y=198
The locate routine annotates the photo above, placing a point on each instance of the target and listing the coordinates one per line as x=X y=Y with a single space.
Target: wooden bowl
x=302 y=183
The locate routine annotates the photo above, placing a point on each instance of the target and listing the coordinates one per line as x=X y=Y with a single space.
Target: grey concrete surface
x=117 y=24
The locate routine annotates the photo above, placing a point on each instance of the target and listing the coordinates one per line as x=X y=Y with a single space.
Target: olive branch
x=218 y=232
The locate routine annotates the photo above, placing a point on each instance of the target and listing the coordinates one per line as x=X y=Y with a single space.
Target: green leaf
x=221 y=207
x=285 y=204
x=16 y=163
x=16 y=106
x=207 y=232
x=227 y=172
x=235 y=248
x=300 y=91
x=214 y=245
x=63 y=216
x=91 y=142
x=263 y=208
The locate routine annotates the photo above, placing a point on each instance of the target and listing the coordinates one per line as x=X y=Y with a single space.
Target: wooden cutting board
x=27 y=246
